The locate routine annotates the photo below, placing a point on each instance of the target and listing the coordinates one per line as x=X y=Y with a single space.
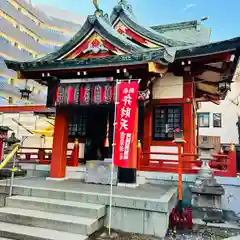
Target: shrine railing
x=38 y=155
x=222 y=164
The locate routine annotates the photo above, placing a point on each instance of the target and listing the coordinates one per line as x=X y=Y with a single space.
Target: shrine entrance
x=93 y=126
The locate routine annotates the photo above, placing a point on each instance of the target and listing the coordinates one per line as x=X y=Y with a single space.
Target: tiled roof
x=122 y=13
x=192 y=32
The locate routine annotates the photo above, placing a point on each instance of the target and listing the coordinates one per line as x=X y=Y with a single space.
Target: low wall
x=231 y=198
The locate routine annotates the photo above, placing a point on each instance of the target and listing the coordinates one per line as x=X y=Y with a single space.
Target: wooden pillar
x=189 y=128
x=60 y=141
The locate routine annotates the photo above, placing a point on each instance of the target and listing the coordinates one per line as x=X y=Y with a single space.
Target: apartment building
x=220 y=123
x=27 y=33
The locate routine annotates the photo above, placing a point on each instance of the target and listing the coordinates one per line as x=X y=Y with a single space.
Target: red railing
x=222 y=164
x=38 y=155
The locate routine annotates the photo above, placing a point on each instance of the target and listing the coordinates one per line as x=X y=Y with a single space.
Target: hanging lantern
x=224 y=85
x=25 y=93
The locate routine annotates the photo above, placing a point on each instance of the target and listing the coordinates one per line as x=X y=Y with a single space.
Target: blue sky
x=224 y=15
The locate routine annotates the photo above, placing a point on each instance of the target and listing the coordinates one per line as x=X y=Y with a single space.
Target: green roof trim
x=176 y=26
x=229 y=45
x=161 y=55
x=120 y=12
x=191 y=32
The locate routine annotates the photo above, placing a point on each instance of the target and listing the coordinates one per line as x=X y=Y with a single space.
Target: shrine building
x=176 y=65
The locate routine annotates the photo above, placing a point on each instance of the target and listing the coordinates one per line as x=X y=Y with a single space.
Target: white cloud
x=188 y=6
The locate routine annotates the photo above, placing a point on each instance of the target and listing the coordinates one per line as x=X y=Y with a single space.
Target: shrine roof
x=162 y=56
x=192 y=32
x=123 y=12
x=101 y=25
x=208 y=49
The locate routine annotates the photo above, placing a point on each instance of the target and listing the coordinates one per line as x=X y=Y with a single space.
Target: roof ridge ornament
x=126 y=5
x=98 y=12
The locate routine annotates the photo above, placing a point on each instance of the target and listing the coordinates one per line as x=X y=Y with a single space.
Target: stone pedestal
x=99 y=172
x=206 y=192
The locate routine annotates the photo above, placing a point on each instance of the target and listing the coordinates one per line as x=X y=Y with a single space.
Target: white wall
x=230 y=111
x=168 y=87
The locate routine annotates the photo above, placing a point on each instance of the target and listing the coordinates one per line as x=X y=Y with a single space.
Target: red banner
x=125 y=122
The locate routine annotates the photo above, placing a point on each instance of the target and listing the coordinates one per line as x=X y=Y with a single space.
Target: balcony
x=15 y=33
x=28 y=23
x=7 y=48
x=50 y=21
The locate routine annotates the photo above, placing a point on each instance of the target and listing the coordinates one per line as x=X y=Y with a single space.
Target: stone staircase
x=36 y=218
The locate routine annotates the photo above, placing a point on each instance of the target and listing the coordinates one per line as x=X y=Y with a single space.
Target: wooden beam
x=209 y=98
x=207 y=88
x=214 y=69
x=209 y=76
x=22 y=108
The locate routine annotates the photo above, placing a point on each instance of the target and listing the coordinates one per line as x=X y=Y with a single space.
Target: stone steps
x=14 y=231
x=48 y=220
x=73 y=208
x=31 y=218
x=141 y=210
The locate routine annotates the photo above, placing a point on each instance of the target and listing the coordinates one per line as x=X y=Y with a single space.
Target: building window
x=217 y=120
x=203 y=120
x=165 y=121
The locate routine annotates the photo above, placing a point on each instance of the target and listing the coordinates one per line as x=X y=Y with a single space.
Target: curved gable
x=125 y=23
x=96 y=38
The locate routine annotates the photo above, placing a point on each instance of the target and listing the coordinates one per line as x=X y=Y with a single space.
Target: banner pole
x=112 y=168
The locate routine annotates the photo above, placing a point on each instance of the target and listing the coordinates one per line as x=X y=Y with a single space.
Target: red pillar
x=147 y=136
x=1 y=148
x=60 y=141
x=189 y=125
x=232 y=161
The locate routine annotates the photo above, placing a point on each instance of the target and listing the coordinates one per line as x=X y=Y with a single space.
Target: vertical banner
x=125 y=122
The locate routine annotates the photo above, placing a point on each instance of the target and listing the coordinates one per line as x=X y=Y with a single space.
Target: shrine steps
x=26 y=217
x=80 y=209
x=143 y=208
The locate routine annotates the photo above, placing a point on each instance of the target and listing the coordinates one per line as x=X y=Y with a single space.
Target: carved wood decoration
x=207 y=88
x=94 y=46
x=127 y=32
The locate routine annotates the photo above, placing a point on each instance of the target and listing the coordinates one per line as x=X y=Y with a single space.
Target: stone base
x=208 y=196
x=56 y=179
x=128 y=185
x=213 y=215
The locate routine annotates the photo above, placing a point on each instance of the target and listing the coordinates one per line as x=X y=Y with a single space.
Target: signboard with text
x=125 y=122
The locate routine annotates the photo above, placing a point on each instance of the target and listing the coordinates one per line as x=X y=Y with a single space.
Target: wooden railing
x=38 y=155
x=222 y=164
